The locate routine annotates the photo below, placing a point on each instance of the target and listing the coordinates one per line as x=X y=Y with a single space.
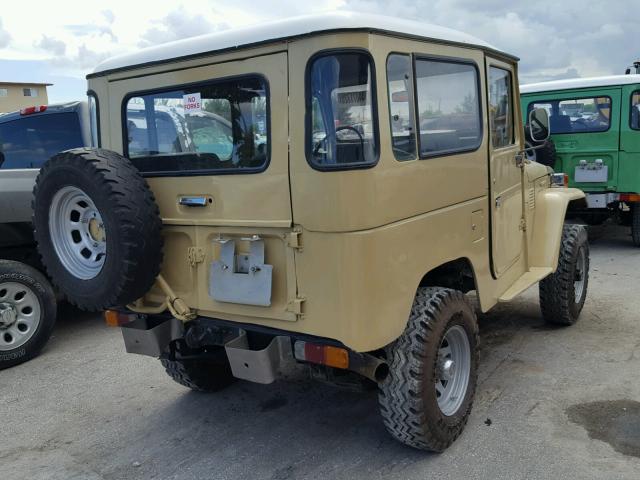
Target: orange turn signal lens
x=114 y=318
x=336 y=357
x=322 y=354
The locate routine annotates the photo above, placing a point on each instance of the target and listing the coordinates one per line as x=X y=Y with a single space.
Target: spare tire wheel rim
x=20 y=315
x=77 y=233
x=453 y=370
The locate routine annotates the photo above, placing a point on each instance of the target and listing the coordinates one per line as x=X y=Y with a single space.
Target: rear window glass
x=448 y=107
x=341 y=129
x=577 y=115
x=30 y=141
x=635 y=110
x=216 y=128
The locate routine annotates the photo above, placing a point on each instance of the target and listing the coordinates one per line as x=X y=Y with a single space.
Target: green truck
x=595 y=126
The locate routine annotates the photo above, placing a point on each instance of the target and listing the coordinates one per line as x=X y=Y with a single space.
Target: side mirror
x=539 y=124
x=401 y=96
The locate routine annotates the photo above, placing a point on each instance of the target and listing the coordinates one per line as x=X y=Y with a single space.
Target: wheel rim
x=453 y=370
x=20 y=315
x=580 y=274
x=77 y=233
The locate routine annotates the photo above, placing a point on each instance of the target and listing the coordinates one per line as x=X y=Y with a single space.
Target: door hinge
x=294 y=238
x=523 y=225
x=195 y=255
x=295 y=306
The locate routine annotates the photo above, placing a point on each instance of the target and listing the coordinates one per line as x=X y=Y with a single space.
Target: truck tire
x=419 y=406
x=98 y=228
x=563 y=293
x=201 y=374
x=635 y=224
x=27 y=312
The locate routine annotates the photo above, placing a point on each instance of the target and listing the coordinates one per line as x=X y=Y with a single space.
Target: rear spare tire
x=545 y=154
x=98 y=228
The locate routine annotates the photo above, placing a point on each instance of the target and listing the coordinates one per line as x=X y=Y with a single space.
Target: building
x=15 y=95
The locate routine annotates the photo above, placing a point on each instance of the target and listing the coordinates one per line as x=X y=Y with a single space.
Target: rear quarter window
x=30 y=141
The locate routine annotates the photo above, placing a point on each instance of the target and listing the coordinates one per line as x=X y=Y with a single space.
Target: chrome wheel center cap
x=447 y=369
x=8 y=315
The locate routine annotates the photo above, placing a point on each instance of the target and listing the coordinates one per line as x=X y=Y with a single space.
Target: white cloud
x=5 y=38
x=50 y=44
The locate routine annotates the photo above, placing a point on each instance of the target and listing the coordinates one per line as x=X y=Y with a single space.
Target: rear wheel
x=563 y=293
x=426 y=399
x=635 y=224
x=27 y=312
x=206 y=374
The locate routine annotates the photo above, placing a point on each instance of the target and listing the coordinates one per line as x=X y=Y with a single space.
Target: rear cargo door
x=212 y=141
x=585 y=126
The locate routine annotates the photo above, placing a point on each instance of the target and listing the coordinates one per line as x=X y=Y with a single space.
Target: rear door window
x=28 y=142
x=401 y=105
x=577 y=115
x=220 y=127
x=448 y=107
x=341 y=125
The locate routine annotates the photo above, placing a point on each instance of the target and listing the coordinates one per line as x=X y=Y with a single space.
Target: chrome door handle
x=196 y=201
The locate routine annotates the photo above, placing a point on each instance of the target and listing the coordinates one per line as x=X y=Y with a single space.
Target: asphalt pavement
x=552 y=403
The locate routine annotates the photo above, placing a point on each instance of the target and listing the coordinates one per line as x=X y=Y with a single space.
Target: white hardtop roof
x=284 y=29
x=610 y=81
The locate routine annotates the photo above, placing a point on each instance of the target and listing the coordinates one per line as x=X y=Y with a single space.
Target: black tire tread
x=401 y=405
x=199 y=375
x=557 y=298
x=546 y=154
x=140 y=223
x=635 y=224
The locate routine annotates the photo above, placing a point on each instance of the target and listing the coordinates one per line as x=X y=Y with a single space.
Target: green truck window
x=577 y=115
x=500 y=107
x=635 y=110
x=400 y=87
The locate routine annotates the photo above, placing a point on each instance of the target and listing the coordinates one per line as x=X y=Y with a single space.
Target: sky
x=58 y=42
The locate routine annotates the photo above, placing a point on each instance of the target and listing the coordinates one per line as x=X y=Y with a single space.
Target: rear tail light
x=32 y=110
x=322 y=354
x=559 y=180
x=629 y=197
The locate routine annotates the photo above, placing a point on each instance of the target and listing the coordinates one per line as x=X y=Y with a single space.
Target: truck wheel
x=562 y=294
x=426 y=399
x=635 y=224
x=98 y=228
x=203 y=375
x=27 y=312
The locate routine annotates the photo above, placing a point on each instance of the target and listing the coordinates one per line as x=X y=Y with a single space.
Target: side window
x=341 y=126
x=30 y=141
x=216 y=127
x=635 y=110
x=449 y=114
x=94 y=120
x=577 y=115
x=500 y=107
x=401 y=106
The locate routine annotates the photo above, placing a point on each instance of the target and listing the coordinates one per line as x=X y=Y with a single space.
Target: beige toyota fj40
x=322 y=190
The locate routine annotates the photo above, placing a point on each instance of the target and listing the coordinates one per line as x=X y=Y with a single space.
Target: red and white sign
x=192 y=103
